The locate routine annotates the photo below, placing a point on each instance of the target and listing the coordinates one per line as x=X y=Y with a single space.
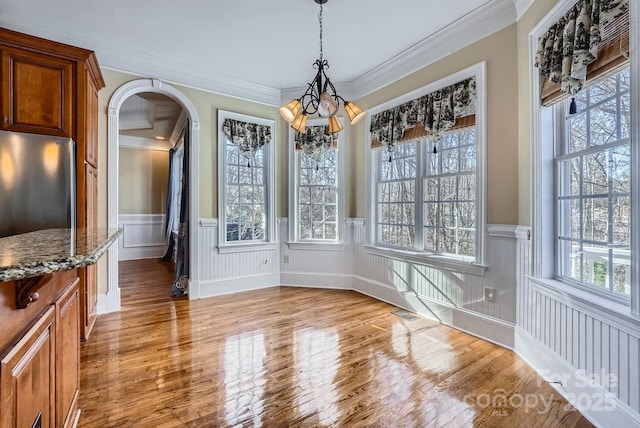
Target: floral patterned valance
x=248 y=137
x=315 y=141
x=436 y=111
x=571 y=44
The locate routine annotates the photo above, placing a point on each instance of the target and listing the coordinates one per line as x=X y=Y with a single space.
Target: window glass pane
x=449 y=159
x=578 y=132
x=602 y=90
x=603 y=124
x=594 y=176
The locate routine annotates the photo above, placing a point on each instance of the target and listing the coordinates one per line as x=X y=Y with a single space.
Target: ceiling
x=149 y=116
x=253 y=49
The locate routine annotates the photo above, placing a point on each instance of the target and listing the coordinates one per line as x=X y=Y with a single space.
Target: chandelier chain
x=320 y=21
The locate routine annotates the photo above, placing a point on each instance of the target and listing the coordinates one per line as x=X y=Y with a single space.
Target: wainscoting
x=142 y=236
x=588 y=350
x=566 y=339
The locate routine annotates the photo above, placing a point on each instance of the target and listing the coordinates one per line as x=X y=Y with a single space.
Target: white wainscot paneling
x=225 y=273
x=319 y=265
x=454 y=298
x=142 y=236
x=588 y=351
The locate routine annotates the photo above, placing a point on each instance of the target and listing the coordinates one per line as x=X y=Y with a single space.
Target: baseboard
x=487 y=328
x=220 y=287
x=139 y=253
x=597 y=404
x=317 y=280
x=108 y=302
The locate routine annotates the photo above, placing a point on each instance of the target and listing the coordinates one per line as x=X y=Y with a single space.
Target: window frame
x=544 y=134
x=270 y=241
x=478 y=265
x=294 y=241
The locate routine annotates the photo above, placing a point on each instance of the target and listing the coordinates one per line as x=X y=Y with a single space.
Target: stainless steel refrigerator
x=37 y=183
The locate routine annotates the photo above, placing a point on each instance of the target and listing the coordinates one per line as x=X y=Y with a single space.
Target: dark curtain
x=169 y=242
x=180 y=285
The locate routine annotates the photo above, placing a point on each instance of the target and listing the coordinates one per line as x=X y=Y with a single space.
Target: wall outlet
x=489 y=294
x=286 y=258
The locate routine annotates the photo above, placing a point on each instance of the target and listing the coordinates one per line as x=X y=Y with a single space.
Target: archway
x=115 y=103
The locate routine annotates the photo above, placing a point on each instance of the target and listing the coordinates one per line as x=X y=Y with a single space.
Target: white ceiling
x=266 y=46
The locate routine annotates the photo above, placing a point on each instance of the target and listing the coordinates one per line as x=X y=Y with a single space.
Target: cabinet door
x=37 y=93
x=92 y=125
x=27 y=377
x=67 y=355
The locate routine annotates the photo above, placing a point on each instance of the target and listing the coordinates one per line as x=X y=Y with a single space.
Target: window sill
x=316 y=246
x=440 y=262
x=590 y=302
x=241 y=248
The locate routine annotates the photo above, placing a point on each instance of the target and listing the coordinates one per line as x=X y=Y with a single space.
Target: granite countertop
x=52 y=250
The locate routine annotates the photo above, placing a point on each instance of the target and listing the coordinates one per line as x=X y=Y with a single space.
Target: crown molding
x=521 y=7
x=144 y=143
x=489 y=18
x=139 y=63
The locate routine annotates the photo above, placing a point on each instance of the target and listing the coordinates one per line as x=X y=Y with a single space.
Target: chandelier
x=320 y=97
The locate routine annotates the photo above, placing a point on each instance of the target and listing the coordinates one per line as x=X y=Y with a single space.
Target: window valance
x=315 y=141
x=591 y=39
x=248 y=137
x=431 y=115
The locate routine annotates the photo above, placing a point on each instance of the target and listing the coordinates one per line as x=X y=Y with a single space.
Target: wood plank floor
x=297 y=357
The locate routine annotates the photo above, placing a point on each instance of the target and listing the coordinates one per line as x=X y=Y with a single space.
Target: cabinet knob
x=33 y=297
x=5 y=119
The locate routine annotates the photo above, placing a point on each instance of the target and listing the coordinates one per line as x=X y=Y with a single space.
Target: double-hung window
x=427 y=165
x=585 y=152
x=246 y=202
x=593 y=206
x=315 y=197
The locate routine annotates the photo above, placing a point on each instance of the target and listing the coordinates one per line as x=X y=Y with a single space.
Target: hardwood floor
x=144 y=281
x=297 y=357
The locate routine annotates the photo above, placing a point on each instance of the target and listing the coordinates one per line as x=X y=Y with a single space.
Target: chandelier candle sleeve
x=320 y=98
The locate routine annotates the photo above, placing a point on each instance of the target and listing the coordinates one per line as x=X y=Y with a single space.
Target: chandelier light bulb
x=327 y=106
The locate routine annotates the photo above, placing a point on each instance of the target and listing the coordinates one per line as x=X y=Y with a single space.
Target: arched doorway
x=115 y=103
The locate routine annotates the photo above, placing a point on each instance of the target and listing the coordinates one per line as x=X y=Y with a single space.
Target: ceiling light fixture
x=320 y=97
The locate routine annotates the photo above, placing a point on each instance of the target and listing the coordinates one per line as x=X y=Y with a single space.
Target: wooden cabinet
x=37 y=93
x=52 y=88
x=40 y=354
x=26 y=377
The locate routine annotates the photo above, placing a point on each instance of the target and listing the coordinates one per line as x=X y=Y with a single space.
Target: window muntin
x=450 y=196
x=593 y=209
x=317 y=193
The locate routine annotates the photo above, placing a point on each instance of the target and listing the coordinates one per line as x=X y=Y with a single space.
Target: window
x=450 y=196
x=427 y=197
x=245 y=177
x=593 y=207
x=316 y=204
x=584 y=214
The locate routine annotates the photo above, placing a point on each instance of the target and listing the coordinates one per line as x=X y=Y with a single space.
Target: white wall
x=142 y=236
